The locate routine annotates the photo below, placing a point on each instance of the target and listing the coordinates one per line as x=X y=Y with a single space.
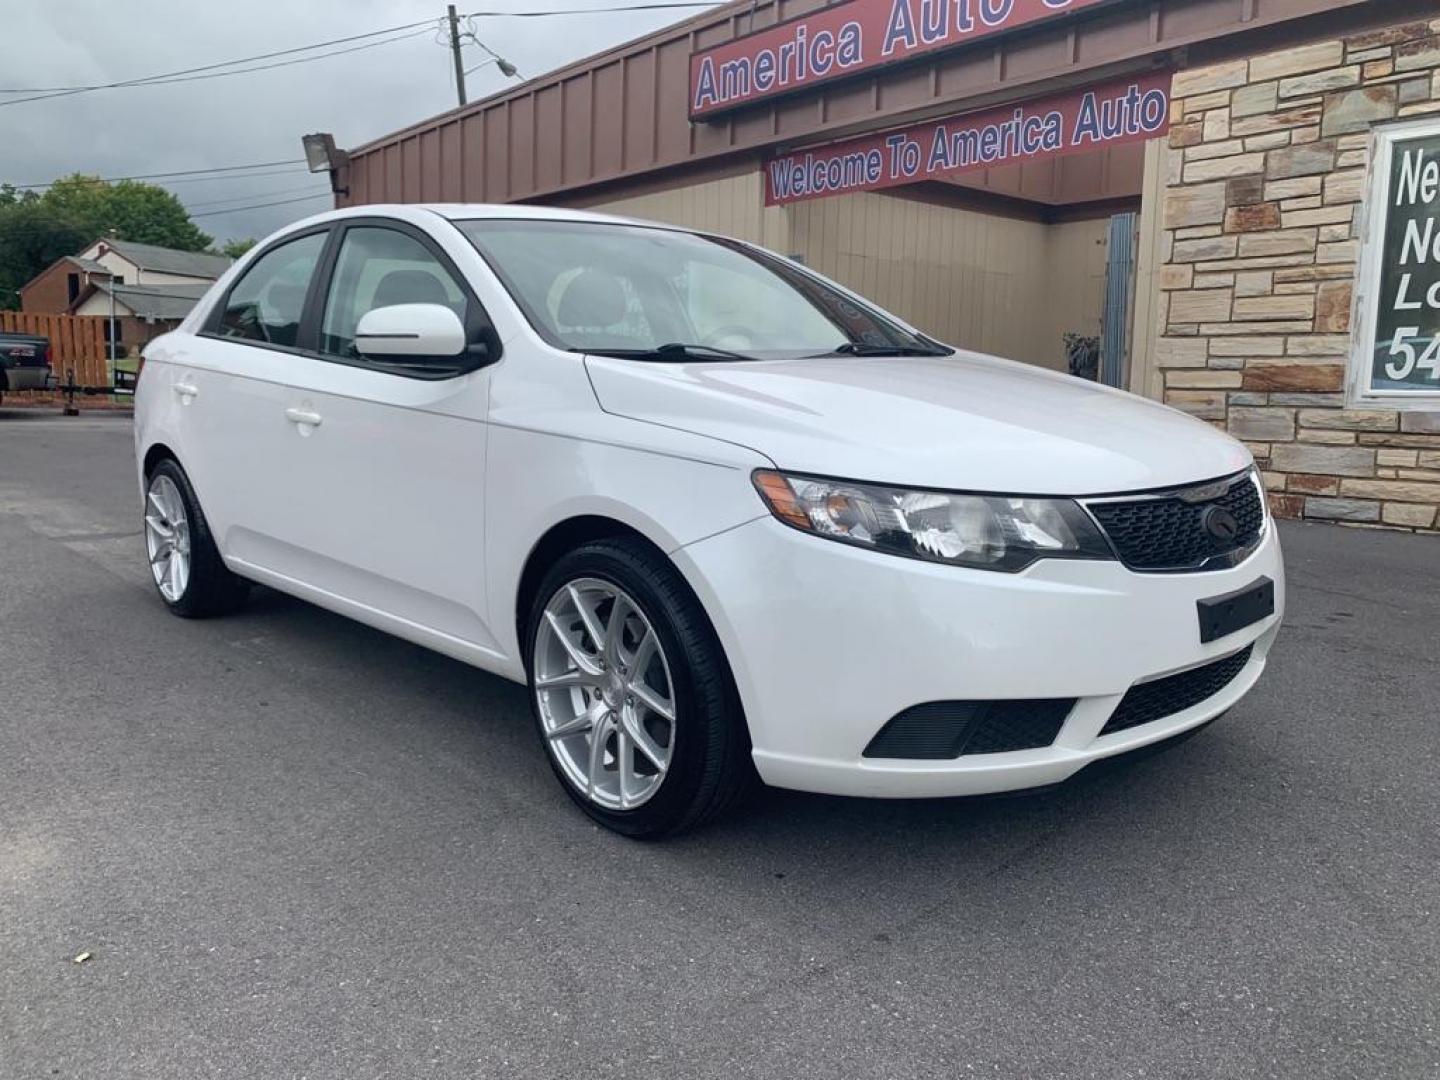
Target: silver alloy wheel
x=607 y=703
x=167 y=538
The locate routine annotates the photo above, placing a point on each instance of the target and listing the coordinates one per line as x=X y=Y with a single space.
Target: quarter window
x=267 y=302
x=378 y=268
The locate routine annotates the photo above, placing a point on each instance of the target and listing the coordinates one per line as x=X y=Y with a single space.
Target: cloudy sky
x=258 y=117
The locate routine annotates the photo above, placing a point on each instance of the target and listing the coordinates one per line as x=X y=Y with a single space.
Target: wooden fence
x=76 y=341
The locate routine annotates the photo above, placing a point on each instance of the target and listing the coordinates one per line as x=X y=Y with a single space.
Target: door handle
x=303 y=416
x=186 y=390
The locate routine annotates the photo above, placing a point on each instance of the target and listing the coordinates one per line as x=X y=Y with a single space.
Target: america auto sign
x=1072 y=122
x=849 y=38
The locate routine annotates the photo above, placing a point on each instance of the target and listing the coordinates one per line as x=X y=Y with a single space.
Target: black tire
x=213 y=589
x=711 y=766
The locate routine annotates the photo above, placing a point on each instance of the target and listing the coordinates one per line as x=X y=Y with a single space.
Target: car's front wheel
x=633 y=699
x=185 y=564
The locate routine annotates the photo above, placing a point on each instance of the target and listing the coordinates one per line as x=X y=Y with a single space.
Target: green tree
x=129 y=210
x=235 y=248
x=32 y=236
x=10 y=195
x=77 y=210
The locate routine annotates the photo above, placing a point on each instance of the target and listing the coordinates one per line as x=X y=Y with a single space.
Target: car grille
x=1160 y=698
x=1171 y=531
x=951 y=729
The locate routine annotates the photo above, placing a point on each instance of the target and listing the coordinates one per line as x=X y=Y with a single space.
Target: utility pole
x=112 y=319
x=455 y=53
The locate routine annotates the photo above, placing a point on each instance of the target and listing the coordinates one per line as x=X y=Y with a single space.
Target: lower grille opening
x=940 y=730
x=1160 y=698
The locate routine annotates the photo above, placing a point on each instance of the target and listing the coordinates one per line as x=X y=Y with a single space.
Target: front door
x=385 y=478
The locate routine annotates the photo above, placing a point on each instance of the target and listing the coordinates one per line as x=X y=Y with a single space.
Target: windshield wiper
x=671 y=351
x=865 y=348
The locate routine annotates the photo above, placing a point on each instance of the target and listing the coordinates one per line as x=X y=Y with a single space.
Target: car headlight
x=986 y=532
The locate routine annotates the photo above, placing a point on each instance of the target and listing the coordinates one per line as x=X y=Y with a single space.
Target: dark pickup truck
x=24 y=362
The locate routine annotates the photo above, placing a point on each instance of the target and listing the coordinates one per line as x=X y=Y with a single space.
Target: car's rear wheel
x=185 y=564
x=631 y=693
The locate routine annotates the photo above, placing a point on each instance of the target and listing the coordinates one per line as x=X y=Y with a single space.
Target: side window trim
x=308 y=334
x=213 y=318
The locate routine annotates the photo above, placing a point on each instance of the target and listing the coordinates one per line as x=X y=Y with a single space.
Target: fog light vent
x=1160 y=698
x=942 y=730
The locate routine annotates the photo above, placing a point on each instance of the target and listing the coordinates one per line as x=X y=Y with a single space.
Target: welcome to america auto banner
x=1072 y=122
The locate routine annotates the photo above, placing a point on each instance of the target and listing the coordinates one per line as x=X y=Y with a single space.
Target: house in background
x=148 y=289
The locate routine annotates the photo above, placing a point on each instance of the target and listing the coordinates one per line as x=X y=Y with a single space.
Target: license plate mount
x=1232 y=611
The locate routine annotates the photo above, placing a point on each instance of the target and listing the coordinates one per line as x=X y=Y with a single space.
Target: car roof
x=461 y=211
x=465 y=211
x=418 y=213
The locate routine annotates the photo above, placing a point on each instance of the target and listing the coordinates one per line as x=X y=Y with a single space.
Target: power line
x=234 y=176
x=263 y=205
x=277 y=64
x=190 y=74
x=253 y=195
x=221 y=64
x=167 y=80
x=177 y=173
x=585 y=11
x=197 y=179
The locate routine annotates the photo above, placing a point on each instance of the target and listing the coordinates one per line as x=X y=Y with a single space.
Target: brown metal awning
x=623 y=114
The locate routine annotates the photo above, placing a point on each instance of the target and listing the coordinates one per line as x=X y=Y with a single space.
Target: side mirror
x=411 y=333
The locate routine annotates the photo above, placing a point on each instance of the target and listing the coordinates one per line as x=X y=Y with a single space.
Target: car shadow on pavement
x=484 y=721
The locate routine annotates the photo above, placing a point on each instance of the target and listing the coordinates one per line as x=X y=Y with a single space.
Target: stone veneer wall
x=1263 y=181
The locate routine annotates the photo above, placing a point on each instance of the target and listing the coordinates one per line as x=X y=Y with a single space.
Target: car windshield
x=668 y=295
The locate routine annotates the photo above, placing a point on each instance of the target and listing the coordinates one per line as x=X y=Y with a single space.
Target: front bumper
x=828 y=642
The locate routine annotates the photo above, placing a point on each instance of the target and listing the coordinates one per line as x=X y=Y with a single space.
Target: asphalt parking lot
x=295 y=847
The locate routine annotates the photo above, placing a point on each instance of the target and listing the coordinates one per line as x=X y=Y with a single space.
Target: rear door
x=381 y=491
x=226 y=396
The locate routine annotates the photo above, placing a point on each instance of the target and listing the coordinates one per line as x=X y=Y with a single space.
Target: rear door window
x=266 y=304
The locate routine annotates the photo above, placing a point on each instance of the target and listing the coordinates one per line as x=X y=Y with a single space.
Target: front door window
x=380 y=267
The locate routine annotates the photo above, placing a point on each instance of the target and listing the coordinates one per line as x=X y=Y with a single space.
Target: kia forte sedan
x=723 y=516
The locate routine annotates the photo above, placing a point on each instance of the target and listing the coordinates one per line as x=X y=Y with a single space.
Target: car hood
x=964 y=422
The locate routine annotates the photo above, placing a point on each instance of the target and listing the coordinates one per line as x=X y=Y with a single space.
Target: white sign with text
x=1395 y=349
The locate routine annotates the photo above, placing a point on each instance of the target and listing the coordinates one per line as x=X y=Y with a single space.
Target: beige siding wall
x=134 y=275
x=1144 y=375
x=982 y=281
x=731 y=205
x=98 y=303
x=970 y=279
x=1073 y=296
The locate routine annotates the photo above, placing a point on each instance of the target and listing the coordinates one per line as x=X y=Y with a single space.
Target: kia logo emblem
x=1220 y=523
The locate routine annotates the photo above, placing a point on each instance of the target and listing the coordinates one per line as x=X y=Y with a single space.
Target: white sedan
x=724 y=516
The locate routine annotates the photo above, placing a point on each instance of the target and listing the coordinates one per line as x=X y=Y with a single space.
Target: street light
x=506 y=68
x=322 y=155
